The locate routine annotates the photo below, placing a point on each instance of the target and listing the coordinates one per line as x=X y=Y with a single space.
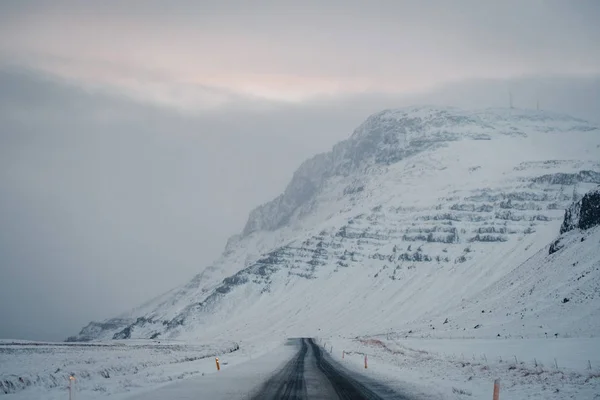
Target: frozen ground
x=424 y=368
x=467 y=368
x=232 y=382
x=31 y=370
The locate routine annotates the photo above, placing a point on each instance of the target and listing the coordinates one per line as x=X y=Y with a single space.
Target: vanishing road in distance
x=312 y=374
x=297 y=371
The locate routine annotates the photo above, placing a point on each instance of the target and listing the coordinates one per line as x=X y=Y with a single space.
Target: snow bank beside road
x=30 y=370
x=238 y=381
x=571 y=354
x=448 y=369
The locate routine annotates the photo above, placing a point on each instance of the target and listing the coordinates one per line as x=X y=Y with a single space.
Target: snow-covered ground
x=234 y=381
x=34 y=370
x=426 y=368
x=467 y=368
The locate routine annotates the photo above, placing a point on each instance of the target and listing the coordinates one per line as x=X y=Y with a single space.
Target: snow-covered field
x=234 y=381
x=34 y=370
x=467 y=368
x=423 y=368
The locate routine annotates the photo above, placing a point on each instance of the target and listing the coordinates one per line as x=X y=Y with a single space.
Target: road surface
x=312 y=374
x=300 y=370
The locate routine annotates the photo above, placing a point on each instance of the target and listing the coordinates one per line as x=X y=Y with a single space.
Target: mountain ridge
x=356 y=211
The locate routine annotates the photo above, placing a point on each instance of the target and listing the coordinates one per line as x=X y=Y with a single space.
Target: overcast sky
x=136 y=136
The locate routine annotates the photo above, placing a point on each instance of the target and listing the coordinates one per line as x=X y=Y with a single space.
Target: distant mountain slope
x=556 y=292
x=418 y=213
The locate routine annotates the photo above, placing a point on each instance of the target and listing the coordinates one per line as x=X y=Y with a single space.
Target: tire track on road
x=289 y=383
x=347 y=387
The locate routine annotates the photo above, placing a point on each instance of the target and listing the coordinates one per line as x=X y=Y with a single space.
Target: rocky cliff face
x=582 y=214
x=418 y=210
x=589 y=212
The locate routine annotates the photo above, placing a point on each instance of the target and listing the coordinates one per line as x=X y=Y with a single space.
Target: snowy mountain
x=427 y=221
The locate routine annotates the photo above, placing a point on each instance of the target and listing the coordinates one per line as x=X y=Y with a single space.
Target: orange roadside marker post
x=497 y=389
x=217 y=362
x=71 y=381
x=365 y=361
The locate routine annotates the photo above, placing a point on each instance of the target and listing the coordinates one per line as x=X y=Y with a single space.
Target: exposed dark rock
x=94 y=329
x=353 y=189
x=416 y=256
x=460 y=259
x=569 y=179
x=571 y=220
x=124 y=334
x=555 y=246
x=488 y=238
x=590 y=210
x=583 y=214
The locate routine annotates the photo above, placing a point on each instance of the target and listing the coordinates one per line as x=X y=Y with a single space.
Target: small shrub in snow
x=488 y=238
x=592 y=376
x=99 y=388
x=461 y=391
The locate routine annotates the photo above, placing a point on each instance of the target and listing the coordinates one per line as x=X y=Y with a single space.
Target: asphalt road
x=312 y=374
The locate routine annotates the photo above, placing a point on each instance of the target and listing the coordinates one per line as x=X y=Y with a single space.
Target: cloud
x=296 y=51
x=106 y=202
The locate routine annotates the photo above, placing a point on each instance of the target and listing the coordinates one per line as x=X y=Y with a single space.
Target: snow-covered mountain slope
x=554 y=293
x=421 y=214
